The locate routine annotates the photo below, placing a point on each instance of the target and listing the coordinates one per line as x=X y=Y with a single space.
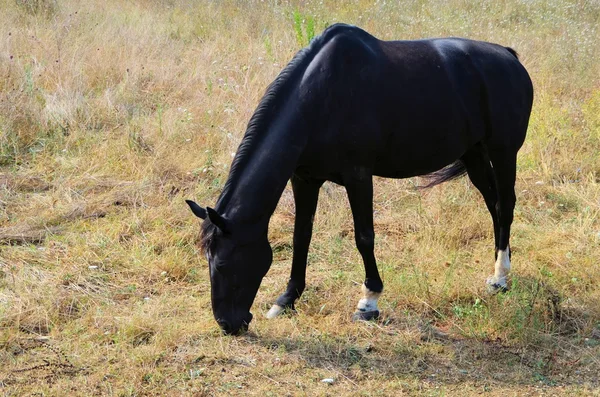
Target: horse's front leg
x=359 y=186
x=306 y=194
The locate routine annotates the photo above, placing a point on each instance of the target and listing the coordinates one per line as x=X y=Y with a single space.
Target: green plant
x=304 y=27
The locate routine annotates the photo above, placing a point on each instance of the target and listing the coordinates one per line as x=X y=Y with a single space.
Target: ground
x=112 y=114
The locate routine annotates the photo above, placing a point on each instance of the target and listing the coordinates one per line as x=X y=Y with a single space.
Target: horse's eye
x=222 y=267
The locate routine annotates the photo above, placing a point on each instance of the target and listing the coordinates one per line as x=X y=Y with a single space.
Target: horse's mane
x=266 y=109
x=261 y=118
x=207 y=231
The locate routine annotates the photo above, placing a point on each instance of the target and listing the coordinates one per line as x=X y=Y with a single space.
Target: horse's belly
x=405 y=158
x=399 y=169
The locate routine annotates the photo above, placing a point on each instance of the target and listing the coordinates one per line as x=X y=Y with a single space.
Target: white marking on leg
x=502 y=269
x=275 y=311
x=368 y=303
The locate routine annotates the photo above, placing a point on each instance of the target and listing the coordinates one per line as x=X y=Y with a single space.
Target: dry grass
x=111 y=113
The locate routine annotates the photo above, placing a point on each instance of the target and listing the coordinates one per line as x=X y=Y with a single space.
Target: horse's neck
x=256 y=190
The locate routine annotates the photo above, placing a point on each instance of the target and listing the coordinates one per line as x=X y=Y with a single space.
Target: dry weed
x=112 y=113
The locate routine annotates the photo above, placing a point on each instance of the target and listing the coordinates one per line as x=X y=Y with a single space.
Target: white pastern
x=368 y=303
x=502 y=269
x=275 y=311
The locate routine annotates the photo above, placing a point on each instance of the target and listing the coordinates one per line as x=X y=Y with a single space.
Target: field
x=113 y=113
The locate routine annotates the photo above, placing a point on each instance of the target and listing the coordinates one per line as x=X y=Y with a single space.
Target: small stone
x=93 y=267
x=329 y=381
x=195 y=373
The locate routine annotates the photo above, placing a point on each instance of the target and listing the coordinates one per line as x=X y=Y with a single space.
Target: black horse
x=348 y=107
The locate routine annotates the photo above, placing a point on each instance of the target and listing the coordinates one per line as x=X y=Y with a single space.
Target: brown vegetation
x=112 y=113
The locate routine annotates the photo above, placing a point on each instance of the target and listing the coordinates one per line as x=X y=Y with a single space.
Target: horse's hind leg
x=306 y=194
x=481 y=174
x=359 y=186
x=505 y=168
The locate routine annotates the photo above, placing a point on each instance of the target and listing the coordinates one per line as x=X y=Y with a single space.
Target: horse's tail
x=448 y=173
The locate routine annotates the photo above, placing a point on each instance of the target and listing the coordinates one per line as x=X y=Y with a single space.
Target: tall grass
x=112 y=113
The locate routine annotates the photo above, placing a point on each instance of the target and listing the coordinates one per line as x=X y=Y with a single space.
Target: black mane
x=260 y=119
x=207 y=231
x=268 y=106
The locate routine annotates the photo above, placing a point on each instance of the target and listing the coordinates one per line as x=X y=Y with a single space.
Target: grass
x=112 y=113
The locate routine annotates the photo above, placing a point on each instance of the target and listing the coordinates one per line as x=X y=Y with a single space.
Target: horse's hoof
x=496 y=287
x=275 y=311
x=365 y=316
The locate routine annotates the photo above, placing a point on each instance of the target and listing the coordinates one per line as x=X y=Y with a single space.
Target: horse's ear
x=196 y=209
x=217 y=219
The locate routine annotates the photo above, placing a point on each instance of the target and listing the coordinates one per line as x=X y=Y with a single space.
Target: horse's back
x=459 y=92
x=411 y=107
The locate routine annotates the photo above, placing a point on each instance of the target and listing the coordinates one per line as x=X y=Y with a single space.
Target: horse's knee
x=365 y=241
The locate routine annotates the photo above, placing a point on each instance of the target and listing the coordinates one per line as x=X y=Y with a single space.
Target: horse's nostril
x=224 y=326
x=236 y=326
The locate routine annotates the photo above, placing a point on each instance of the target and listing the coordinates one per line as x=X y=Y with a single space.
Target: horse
x=349 y=107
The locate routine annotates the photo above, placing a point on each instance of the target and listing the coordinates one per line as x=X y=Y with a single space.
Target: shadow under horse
x=350 y=106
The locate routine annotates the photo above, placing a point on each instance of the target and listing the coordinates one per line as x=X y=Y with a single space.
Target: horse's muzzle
x=236 y=326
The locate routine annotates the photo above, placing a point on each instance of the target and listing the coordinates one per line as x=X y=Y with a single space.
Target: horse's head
x=238 y=259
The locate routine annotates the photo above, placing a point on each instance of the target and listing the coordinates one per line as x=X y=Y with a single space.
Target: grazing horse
x=350 y=106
